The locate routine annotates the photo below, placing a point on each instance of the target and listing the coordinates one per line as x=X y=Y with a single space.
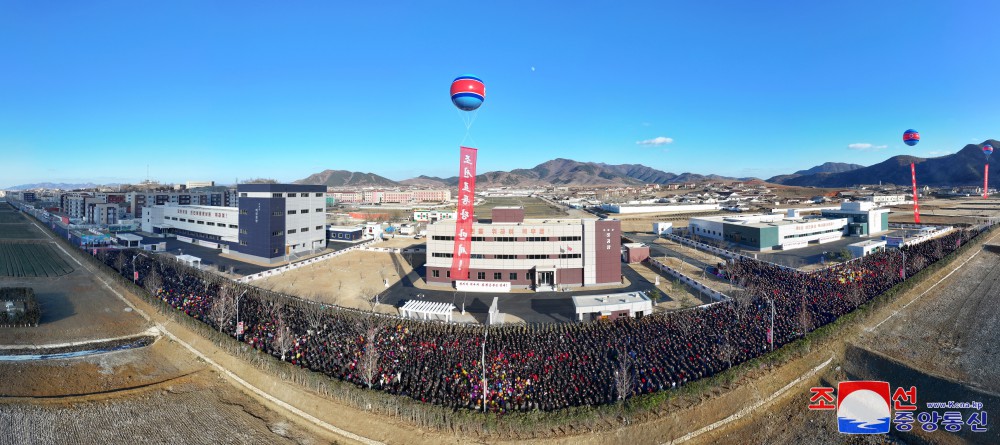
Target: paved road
x=539 y=307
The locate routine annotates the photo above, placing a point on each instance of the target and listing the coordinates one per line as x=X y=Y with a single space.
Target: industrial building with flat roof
x=530 y=253
x=775 y=231
x=272 y=221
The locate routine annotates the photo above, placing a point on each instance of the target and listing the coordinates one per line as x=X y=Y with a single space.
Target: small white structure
x=661 y=228
x=128 y=239
x=612 y=306
x=863 y=248
x=190 y=260
x=425 y=310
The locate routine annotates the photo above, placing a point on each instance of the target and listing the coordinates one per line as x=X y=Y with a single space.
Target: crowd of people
x=543 y=367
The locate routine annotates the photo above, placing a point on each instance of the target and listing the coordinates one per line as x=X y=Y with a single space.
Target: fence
x=280 y=270
x=701 y=288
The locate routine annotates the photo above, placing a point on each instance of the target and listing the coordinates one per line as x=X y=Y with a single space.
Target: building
x=650 y=208
x=379 y=196
x=272 y=221
x=774 y=231
x=866 y=247
x=424 y=215
x=344 y=233
x=206 y=197
x=866 y=218
x=199 y=184
x=884 y=200
x=662 y=228
x=530 y=253
x=634 y=252
x=612 y=306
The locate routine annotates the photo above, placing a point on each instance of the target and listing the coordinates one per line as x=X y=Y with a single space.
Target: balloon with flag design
x=987 y=150
x=468 y=92
x=911 y=137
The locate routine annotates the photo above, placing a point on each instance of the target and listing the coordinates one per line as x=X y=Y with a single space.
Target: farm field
x=31 y=260
x=19 y=231
x=9 y=217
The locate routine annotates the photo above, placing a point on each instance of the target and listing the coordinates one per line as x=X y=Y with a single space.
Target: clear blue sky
x=225 y=89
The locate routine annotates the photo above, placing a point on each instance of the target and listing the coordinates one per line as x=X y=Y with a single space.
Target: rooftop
x=599 y=301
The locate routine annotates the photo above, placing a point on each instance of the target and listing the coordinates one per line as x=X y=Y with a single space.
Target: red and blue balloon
x=987 y=150
x=911 y=137
x=468 y=92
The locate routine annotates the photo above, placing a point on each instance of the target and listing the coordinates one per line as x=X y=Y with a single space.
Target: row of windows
x=303 y=211
x=172 y=218
x=509 y=239
x=480 y=256
x=290 y=195
x=479 y=275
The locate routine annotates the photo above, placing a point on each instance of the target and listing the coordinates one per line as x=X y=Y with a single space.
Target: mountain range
x=57 y=185
x=962 y=168
x=555 y=172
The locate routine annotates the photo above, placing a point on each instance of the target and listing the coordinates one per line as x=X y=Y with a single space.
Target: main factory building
x=541 y=254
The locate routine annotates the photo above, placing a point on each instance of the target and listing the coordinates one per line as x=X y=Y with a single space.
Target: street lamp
x=770 y=333
x=239 y=332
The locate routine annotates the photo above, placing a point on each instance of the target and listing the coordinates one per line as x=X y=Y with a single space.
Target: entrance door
x=545 y=278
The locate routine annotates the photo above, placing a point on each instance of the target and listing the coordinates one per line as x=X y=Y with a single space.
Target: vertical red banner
x=463 y=218
x=916 y=207
x=986 y=181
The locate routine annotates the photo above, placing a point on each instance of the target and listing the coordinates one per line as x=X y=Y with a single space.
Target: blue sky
x=222 y=90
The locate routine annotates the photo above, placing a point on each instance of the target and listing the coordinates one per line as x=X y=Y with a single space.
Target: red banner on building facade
x=463 y=218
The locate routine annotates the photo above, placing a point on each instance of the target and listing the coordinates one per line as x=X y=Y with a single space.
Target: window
x=319 y=210
x=538 y=257
x=211 y=223
x=504 y=239
x=243 y=243
x=304 y=229
x=275 y=195
x=447 y=273
x=291 y=231
x=497 y=275
x=504 y=257
x=304 y=211
x=436 y=273
x=569 y=255
x=441 y=255
x=276 y=213
x=244 y=211
x=243 y=232
x=200 y=222
x=538 y=238
x=513 y=275
x=443 y=238
x=275 y=251
x=243 y=195
x=480 y=275
x=231 y=226
x=569 y=238
x=291 y=212
x=319 y=227
x=292 y=195
x=319 y=195
x=479 y=238
x=276 y=233
x=477 y=256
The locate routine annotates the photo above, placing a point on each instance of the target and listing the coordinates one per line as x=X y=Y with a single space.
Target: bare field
x=185 y=413
x=31 y=260
x=533 y=207
x=348 y=280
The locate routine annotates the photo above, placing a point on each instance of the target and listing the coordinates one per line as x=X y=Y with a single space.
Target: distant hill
x=428 y=181
x=826 y=167
x=58 y=185
x=342 y=178
x=562 y=171
x=962 y=168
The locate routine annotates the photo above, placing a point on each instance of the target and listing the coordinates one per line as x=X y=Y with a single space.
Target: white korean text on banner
x=463 y=218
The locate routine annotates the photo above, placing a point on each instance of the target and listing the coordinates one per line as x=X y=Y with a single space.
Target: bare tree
x=805 y=318
x=120 y=261
x=153 y=282
x=224 y=307
x=369 y=363
x=314 y=314
x=284 y=339
x=371 y=296
x=624 y=381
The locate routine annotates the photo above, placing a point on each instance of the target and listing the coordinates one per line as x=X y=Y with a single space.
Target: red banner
x=916 y=208
x=461 y=254
x=986 y=182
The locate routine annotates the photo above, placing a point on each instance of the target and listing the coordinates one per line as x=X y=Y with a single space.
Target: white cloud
x=864 y=146
x=656 y=141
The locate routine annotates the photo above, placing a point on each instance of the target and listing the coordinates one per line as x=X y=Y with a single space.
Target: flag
x=569 y=248
x=770 y=337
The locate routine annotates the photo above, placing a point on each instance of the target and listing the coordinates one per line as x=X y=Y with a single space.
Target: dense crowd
x=547 y=367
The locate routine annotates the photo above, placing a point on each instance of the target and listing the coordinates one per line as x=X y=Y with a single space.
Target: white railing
x=280 y=270
x=701 y=288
